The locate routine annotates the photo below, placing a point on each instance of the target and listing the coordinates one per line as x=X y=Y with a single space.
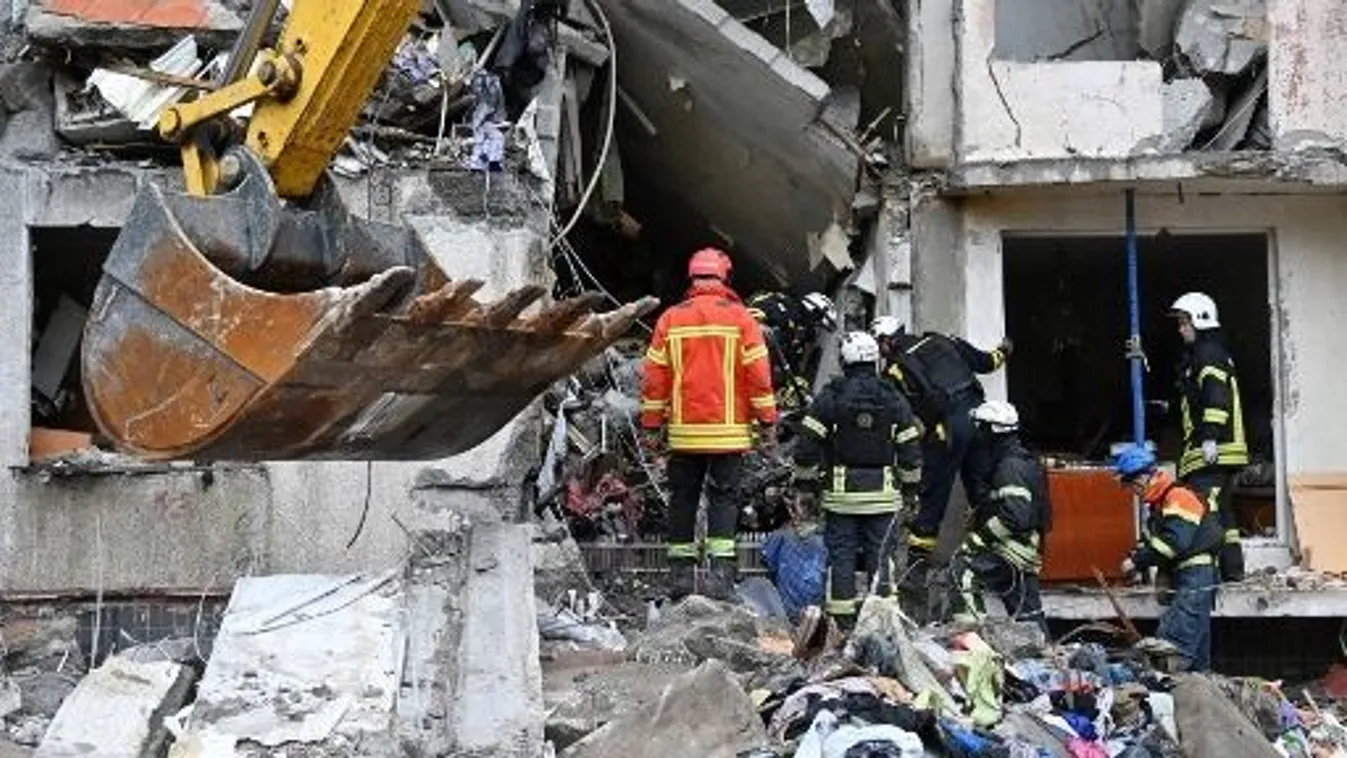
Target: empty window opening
x=1066 y=309
x=67 y=264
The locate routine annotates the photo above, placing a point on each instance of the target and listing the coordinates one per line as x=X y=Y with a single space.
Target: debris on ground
x=119 y=709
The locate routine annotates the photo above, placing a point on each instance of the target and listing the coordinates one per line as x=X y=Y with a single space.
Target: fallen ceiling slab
x=739 y=131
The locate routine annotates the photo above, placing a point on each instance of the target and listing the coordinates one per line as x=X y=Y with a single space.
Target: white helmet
x=859 y=347
x=1200 y=308
x=886 y=326
x=999 y=415
x=820 y=306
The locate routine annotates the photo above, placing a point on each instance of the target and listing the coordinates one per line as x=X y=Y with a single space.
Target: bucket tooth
x=500 y=314
x=451 y=301
x=558 y=317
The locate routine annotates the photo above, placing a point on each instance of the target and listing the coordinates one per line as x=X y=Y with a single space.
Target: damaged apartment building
x=962 y=164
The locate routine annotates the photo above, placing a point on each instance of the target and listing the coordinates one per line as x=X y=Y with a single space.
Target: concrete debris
x=697 y=629
x=565 y=625
x=29 y=112
x=1209 y=724
x=1155 y=22
x=130 y=25
x=42 y=692
x=118 y=711
x=1188 y=105
x=702 y=713
x=298 y=659
x=1222 y=36
x=11 y=698
x=582 y=699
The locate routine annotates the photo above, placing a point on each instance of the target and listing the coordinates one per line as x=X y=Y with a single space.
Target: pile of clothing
x=1001 y=690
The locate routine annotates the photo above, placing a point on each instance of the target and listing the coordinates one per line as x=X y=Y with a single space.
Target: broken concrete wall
x=767 y=171
x=1069 y=30
x=932 y=65
x=1018 y=111
x=173 y=529
x=1308 y=74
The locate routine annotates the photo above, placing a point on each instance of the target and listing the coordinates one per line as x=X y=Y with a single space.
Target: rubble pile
x=1216 y=71
x=693 y=671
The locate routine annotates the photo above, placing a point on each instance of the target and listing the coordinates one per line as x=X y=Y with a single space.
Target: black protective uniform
x=859 y=445
x=1211 y=409
x=937 y=373
x=790 y=335
x=1002 y=550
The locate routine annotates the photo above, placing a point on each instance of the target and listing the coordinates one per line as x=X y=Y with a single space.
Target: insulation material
x=140 y=100
x=1317 y=504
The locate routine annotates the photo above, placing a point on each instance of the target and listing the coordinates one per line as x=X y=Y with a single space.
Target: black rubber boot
x=722 y=578
x=682 y=579
x=913 y=586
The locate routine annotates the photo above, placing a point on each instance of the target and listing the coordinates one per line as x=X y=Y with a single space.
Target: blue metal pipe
x=1134 y=309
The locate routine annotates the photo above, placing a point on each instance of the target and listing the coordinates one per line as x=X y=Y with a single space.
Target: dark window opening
x=67 y=264
x=1066 y=309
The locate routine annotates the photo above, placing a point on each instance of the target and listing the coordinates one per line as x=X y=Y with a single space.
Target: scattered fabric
x=797 y=563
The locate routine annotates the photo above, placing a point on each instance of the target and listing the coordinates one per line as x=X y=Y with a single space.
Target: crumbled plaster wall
x=1308 y=73
x=1018 y=111
x=931 y=94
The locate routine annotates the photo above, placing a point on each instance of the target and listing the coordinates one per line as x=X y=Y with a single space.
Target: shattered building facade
x=1226 y=120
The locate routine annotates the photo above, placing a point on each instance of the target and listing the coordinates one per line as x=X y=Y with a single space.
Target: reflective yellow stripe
x=683 y=332
x=682 y=550
x=1215 y=416
x=676 y=357
x=998 y=358
x=721 y=547
x=998 y=529
x=840 y=607
x=815 y=426
x=1012 y=490
x=754 y=354
x=763 y=401
x=912 y=350
x=1219 y=375
x=855 y=505
x=654 y=405
x=907 y=435
x=1232 y=536
x=657 y=357
x=1202 y=559
x=839 y=479
x=678 y=442
x=921 y=543
x=1162 y=547
x=728 y=372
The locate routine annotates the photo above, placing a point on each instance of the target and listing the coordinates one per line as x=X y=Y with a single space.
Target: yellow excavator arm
x=231 y=325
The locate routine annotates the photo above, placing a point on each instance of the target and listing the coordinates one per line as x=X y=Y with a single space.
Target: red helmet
x=710 y=262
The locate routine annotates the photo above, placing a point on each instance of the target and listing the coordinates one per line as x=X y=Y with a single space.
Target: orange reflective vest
x=707 y=374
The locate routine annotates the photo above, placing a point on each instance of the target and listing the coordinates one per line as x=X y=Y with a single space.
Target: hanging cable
x=608 y=127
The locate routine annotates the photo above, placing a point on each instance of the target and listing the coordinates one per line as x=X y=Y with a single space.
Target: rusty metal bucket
x=231 y=328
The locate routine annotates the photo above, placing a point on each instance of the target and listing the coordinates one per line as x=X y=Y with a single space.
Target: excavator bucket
x=233 y=328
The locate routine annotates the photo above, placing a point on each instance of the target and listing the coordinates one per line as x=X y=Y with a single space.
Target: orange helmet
x=710 y=262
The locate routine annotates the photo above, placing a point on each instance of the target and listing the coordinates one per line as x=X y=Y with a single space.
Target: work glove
x=1133 y=350
x=768 y=442
x=1209 y=452
x=1129 y=570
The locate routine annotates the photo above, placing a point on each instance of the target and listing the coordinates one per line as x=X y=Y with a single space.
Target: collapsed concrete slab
x=1222 y=36
x=118 y=711
x=703 y=712
x=769 y=170
x=1188 y=105
x=440 y=655
x=130 y=24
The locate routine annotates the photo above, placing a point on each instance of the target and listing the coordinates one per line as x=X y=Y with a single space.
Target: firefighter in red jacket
x=706 y=378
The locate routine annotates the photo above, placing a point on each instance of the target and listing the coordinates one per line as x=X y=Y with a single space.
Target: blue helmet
x=1133 y=461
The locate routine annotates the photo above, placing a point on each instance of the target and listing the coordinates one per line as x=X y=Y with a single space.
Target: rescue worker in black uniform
x=1214 y=445
x=1002 y=551
x=937 y=374
x=860 y=446
x=791 y=327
